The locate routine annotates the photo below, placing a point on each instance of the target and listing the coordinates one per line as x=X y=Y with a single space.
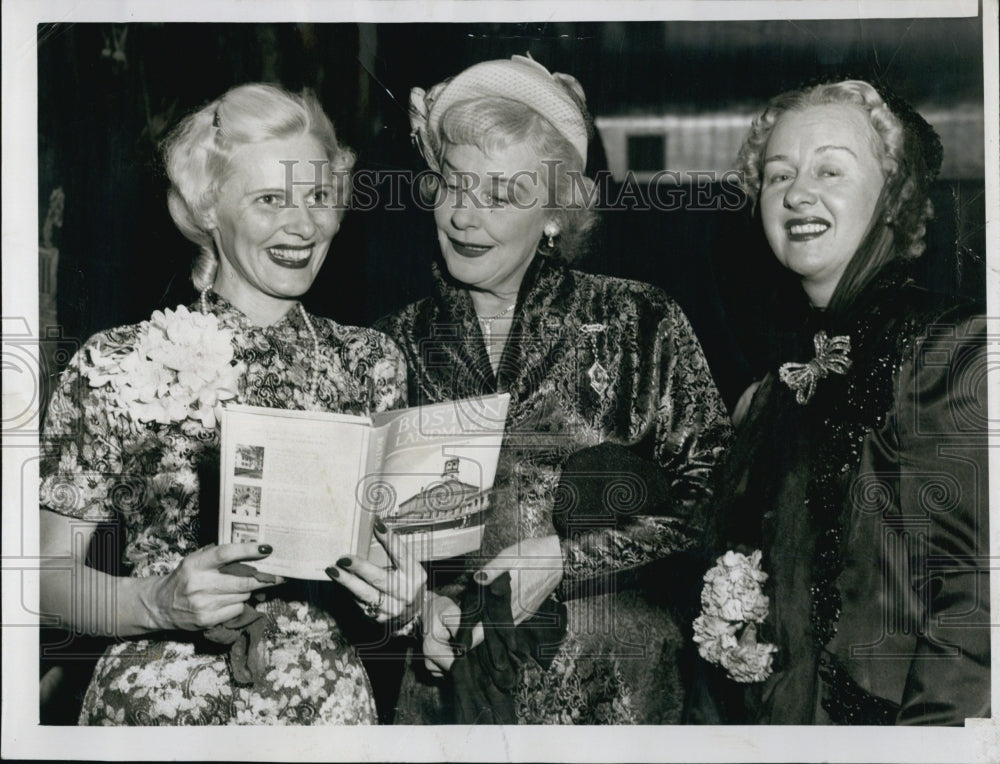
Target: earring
x=551 y=230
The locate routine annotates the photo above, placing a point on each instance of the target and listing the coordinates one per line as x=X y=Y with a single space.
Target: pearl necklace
x=314 y=375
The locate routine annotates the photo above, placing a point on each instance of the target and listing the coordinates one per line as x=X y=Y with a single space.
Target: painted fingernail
x=332 y=572
x=265 y=549
x=480 y=577
x=344 y=562
x=380 y=527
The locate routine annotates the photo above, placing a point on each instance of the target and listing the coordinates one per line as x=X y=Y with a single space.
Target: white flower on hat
x=421 y=103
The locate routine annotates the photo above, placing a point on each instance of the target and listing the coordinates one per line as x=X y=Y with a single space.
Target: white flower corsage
x=732 y=604
x=180 y=367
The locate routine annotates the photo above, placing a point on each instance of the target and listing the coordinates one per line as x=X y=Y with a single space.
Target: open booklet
x=311 y=484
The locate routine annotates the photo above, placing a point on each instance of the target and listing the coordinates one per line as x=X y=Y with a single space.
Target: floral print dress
x=158 y=480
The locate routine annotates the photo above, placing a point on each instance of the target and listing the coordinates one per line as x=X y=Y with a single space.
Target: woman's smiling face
x=272 y=234
x=821 y=183
x=491 y=215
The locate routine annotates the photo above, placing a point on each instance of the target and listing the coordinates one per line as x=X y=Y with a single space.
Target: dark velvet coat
x=871 y=505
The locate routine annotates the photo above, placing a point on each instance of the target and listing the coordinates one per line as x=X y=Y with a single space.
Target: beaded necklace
x=486 y=325
x=314 y=374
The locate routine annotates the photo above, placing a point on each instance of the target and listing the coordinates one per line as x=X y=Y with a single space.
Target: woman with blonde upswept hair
x=132 y=439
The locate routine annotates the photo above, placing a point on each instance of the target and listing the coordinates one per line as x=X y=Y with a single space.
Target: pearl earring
x=551 y=230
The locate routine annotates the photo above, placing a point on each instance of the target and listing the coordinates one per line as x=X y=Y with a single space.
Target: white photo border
x=22 y=735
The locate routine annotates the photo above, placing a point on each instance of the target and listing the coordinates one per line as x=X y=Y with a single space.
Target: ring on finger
x=372 y=609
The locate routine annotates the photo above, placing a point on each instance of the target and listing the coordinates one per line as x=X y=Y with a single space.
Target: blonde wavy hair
x=910 y=153
x=197 y=154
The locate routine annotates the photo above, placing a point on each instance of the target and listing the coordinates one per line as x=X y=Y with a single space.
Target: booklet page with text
x=311 y=484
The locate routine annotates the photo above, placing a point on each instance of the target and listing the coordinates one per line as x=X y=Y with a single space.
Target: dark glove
x=245 y=633
x=485 y=678
x=602 y=491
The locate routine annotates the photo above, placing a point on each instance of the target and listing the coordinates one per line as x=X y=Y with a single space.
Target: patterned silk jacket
x=590 y=360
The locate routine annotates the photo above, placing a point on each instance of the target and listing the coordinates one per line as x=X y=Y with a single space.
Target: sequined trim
x=850 y=412
x=848 y=416
x=846 y=701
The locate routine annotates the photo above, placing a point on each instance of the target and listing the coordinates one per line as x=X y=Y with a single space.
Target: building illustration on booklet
x=454 y=511
x=249 y=461
x=311 y=484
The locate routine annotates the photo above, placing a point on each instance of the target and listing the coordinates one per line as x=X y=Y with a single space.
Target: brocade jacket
x=589 y=360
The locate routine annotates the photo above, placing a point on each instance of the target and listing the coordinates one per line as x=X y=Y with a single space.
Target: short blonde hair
x=197 y=154
x=494 y=123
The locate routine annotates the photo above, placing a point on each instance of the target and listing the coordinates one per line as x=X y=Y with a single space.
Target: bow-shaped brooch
x=831 y=358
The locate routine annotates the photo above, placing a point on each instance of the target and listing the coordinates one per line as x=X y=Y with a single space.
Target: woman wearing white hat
x=588 y=361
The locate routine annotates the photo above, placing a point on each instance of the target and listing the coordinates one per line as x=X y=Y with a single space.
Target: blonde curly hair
x=910 y=158
x=492 y=124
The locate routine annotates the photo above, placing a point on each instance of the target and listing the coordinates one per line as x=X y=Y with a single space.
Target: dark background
x=107 y=94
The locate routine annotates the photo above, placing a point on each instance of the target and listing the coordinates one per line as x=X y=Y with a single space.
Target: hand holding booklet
x=311 y=484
